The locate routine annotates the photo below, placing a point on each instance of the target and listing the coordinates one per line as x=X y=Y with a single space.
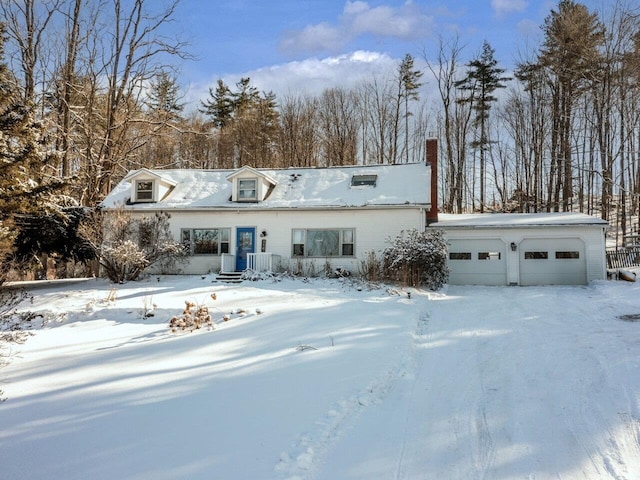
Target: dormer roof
x=243 y=171
x=150 y=174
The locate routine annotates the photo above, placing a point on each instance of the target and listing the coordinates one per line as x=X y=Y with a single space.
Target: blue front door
x=245 y=241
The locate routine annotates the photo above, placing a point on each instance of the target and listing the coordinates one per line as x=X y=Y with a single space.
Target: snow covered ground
x=322 y=380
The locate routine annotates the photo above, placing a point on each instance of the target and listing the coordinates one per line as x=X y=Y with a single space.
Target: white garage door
x=552 y=261
x=477 y=262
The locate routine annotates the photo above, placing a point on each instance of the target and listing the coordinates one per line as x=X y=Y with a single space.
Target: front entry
x=245 y=241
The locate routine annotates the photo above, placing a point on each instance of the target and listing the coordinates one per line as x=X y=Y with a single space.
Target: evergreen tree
x=163 y=97
x=569 y=55
x=409 y=78
x=246 y=122
x=483 y=78
x=219 y=106
x=26 y=181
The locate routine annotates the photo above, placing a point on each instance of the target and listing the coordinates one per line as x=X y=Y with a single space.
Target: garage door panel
x=477 y=262
x=552 y=261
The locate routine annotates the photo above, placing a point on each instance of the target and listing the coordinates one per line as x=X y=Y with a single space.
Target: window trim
x=150 y=191
x=241 y=189
x=301 y=250
x=190 y=243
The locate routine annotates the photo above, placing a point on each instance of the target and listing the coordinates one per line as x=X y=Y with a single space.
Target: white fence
x=228 y=263
x=260 y=262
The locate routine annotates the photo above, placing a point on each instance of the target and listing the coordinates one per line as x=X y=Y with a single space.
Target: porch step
x=229 y=277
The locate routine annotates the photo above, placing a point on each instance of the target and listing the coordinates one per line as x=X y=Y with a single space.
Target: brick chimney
x=432 y=161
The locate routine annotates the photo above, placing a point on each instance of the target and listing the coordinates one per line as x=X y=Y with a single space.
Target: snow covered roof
x=403 y=184
x=516 y=220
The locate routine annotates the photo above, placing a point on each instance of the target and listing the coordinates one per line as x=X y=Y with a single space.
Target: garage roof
x=516 y=220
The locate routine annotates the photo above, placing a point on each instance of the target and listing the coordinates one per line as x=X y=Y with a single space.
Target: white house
x=524 y=249
x=271 y=219
x=278 y=218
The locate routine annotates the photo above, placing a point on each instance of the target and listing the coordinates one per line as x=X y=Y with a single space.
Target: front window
x=144 y=190
x=247 y=189
x=206 y=241
x=323 y=242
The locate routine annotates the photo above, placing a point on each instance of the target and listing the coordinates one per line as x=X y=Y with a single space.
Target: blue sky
x=292 y=47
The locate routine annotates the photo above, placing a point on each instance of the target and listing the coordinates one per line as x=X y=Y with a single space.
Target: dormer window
x=247 y=189
x=144 y=191
x=364 y=180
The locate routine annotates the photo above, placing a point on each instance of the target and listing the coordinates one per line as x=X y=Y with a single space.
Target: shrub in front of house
x=127 y=246
x=417 y=259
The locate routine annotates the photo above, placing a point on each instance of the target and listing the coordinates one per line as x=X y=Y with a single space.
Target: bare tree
x=298 y=139
x=338 y=127
x=127 y=50
x=444 y=68
x=26 y=24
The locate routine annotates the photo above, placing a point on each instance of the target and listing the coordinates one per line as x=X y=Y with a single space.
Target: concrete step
x=229 y=277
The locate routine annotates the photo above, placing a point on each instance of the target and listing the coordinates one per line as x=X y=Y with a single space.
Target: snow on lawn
x=321 y=380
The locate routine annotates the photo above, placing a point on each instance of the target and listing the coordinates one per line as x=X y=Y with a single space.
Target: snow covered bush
x=417 y=258
x=127 y=246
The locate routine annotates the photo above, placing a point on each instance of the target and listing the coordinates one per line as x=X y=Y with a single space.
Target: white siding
x=555 y=237
x=471 y=266
x=373 y=227
x=550 y=269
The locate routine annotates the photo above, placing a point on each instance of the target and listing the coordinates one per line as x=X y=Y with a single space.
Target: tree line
x=96 y=85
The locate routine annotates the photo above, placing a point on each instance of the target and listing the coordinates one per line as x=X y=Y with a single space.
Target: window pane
x=536 y=255
x=225 y=233
x=347 y=236
x=347 y=249
x=247 y=189
x=205 y=241
x=298 y=236
x=298 y=249
x=488 y=255
x=460 y=256
x=567 y=255
x=144 y=190
x=364 y=180
x=323 y=243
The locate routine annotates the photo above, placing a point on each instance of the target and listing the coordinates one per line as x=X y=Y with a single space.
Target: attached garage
x=524 y=249
x=479 y=261
x=558 y=262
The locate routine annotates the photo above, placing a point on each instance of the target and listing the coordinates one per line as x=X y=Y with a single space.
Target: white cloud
x=310 y=76
x=502 y=7
x=313 y=75
x=407 y=22
x=313 y=39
